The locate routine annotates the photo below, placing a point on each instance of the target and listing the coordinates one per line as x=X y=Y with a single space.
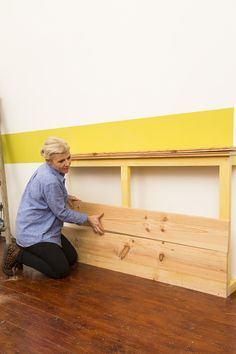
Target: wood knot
x=124 y=251
x=145 y=217
x=161 y=257
x=147 y=229
x=162 y=229
x=164 y=218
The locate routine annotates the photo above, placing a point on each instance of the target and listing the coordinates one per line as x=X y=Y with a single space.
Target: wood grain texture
x=227 y=151
x=176 y=249
x=190 y=267
x=182 y=229
x=98 y=311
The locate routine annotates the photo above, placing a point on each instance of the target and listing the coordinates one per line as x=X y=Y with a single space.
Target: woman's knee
x=61 y=271
x=74 y=258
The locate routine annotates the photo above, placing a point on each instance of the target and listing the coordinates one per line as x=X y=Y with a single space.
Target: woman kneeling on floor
x=42 y=212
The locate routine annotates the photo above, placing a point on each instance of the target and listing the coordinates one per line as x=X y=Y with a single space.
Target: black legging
x=49 y=258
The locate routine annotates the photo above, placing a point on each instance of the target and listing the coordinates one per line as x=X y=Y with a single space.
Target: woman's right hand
x=95 y=223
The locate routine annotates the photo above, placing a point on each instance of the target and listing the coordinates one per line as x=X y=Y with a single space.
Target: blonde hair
x=54 y=146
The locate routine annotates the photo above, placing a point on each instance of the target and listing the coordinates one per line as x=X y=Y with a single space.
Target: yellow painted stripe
x=204 y=129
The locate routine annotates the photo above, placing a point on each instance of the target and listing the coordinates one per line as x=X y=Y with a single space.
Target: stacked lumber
x=226 y=151
x=187 y=251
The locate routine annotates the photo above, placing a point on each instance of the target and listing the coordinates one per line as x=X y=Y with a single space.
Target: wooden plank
x=190 y=267
x=231 y=286
x=125 y=185
x=233 y=160
x=225 y=187
x=192 y=161
x=227 y=151
x=182 y=229
x=225 y=178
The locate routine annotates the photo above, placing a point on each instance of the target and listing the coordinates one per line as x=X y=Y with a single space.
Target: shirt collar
x=55 y=172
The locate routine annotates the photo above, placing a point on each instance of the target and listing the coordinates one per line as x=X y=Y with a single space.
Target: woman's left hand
x=95 y=223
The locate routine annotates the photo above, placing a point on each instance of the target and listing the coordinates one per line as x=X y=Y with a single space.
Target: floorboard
x=100 y=311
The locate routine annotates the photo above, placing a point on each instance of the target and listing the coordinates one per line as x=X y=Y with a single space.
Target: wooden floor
x=101 y=311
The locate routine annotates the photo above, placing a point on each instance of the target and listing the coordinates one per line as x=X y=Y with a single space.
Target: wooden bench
x=189 y=251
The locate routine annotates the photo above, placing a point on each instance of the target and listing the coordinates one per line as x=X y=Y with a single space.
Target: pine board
x=187 y=230
x=183 y=250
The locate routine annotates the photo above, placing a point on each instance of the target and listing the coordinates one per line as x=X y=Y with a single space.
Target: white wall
x=155 y=188
x=76 y=62
x=73 y=62
x=235 y=124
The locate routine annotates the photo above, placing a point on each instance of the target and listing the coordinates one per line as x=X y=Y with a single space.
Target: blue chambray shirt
x=42 y=209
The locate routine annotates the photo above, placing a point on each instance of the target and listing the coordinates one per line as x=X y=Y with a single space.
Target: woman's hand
x=95 y=223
